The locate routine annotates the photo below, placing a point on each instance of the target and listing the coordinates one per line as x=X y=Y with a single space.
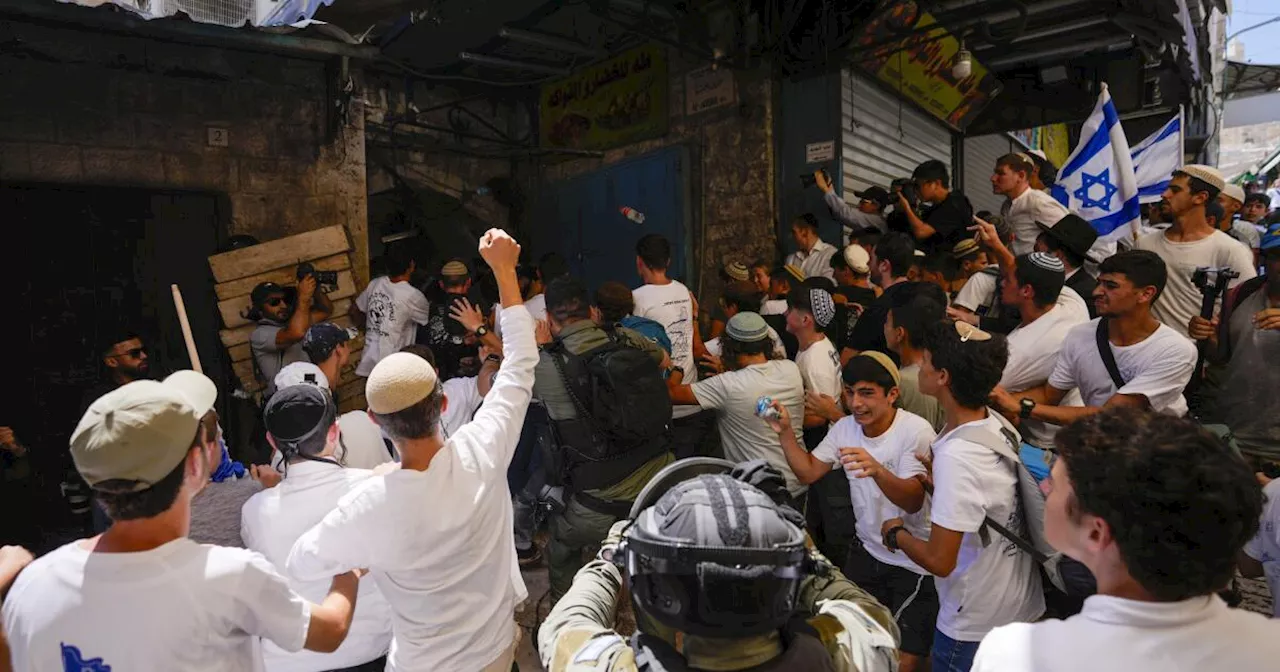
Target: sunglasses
x=134 y=353
x=275 y=301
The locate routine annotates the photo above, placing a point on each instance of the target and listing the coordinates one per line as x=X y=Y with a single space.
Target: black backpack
x=624 y=411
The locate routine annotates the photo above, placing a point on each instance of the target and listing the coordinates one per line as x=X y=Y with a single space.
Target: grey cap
x=747 y=327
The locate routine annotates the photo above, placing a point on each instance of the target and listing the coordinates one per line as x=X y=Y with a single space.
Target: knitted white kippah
x=399 y=381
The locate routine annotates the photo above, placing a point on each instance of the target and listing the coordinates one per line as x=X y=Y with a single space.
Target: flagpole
x=1182 y=134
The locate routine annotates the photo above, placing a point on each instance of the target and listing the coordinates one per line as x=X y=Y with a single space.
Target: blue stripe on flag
x=1171 y=128
x=1101 y=138
x=1153 y=189
x=1115 y=220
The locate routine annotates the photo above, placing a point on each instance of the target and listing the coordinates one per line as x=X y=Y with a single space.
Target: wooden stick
x=186 y=329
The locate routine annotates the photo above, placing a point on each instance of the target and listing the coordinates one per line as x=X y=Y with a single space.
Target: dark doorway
x=85 y=264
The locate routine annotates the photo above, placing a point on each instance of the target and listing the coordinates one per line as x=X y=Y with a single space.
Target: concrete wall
x=89 y=108
x=733 y=181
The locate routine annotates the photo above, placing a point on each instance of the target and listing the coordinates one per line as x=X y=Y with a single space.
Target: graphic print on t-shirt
x=382 y=312
x=73 y=661
x=678 y=330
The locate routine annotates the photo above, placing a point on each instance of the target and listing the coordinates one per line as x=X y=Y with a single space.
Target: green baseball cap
x=141 y=431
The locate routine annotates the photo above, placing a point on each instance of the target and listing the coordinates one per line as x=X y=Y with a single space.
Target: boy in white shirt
x=1157 y=509
x=1039 y=279
x=389 y=310
x=669 y=303
x=880 y=448
x=142 y=596
x=809 y=310
x=437 y=533
x=301 y=423
x=1153 y=361
x=984 y=580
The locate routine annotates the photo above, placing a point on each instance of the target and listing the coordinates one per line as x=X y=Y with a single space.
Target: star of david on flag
x=1103 y=181
x=1097 y=182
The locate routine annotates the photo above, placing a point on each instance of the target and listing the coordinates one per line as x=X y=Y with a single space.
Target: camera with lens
x=809 y=180
x=326 y=279
x=907 y=187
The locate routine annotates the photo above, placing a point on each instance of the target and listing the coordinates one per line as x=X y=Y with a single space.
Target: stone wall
x=88 y=108
x=733 y=176
x=437 y=141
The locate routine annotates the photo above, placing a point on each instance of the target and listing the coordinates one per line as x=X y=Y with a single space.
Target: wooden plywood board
x=281 y=276
x=276 y=254
x=240 y=352
x=233 y=310
x=355 y=402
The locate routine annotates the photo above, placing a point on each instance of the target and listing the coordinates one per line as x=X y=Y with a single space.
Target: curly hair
x=1179 y=503
x=975 y=366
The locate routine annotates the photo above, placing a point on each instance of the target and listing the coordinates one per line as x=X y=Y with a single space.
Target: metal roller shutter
x=980 y=154
x=884 y=138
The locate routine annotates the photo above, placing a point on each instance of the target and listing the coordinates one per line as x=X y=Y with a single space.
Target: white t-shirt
x=1180 y=300
x=1246 y=234
x=272 y=520
x=773 y=307
x=1033 y=352
x=820 y=368
x=733 y=395
x=362 y=437
x=1265 y=547
x=1274 y=194
x=979 y=291
x=816 y=262
x=464 y=400
x=392 y=309
x=537 y=306
x=779 y=350
x=1158 y=368
x=671 y=305
x=897 y=450
x=182 y=606
x=1022 y=213
x=992 y=585
x=439 y=542
x=1112 y=634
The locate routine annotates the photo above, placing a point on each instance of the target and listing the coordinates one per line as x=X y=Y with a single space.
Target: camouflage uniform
x=857 y=631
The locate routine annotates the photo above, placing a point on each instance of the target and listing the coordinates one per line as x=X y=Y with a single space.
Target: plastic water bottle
x=633 y=214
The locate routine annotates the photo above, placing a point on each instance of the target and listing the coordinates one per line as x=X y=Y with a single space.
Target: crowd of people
x=951 y=440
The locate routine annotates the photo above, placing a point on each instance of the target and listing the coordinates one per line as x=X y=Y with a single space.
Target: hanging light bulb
x=963 y=65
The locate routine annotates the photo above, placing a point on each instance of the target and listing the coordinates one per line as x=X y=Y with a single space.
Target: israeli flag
x=1097 y=181
x=1155 y=159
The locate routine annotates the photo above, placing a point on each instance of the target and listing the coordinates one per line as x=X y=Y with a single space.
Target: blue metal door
x=581 y=217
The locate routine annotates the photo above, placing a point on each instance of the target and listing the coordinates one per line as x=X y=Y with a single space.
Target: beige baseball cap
x=141 y=431
x=399 y=381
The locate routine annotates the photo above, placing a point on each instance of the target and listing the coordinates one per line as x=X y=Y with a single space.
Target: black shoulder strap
x=569 y=386
x=1108 y=357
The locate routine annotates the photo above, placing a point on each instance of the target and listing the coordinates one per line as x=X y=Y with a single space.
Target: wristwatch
x=676 y=369
x=1026 y=406
x=891 y=537
x=482 y=331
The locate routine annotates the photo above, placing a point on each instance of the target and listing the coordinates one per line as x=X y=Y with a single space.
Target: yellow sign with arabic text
x=920 y=66
x=610 y=104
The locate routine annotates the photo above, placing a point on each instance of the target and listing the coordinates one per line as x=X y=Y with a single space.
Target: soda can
x=765 y=409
